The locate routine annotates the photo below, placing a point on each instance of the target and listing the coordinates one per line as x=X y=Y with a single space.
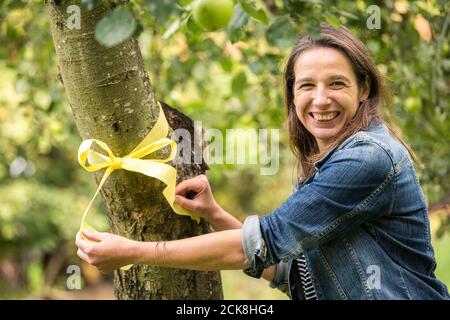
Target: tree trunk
x=112 y=100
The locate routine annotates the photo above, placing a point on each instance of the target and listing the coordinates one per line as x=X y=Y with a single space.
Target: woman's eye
x=306 y=86
x=337 y=85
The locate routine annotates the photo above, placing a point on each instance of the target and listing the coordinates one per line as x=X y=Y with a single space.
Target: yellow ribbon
x=156 y=168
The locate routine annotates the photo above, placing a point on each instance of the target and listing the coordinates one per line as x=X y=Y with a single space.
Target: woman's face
x=326 y=92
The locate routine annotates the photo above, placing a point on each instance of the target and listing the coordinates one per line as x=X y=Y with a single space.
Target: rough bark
x=112 y=100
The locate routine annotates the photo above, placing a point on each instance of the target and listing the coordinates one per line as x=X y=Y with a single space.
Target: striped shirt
x=306 y=281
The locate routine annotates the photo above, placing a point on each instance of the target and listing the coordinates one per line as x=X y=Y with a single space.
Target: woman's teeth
x=324 y=117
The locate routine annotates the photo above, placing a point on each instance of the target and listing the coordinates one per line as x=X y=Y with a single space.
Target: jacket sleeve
x=352 y=187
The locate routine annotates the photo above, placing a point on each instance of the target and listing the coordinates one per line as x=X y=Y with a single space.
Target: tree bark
x=112 y=100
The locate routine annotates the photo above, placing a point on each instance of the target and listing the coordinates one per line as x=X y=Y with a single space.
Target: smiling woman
x=326 y=92
x=333 y=90
x=356 y=226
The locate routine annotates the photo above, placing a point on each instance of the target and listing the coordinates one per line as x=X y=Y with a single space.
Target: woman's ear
x=365 y=92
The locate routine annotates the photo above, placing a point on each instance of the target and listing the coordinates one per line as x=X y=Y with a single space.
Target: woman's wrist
x=222 y=220
x=153 y=253
x=139 y=252
x=270 y=273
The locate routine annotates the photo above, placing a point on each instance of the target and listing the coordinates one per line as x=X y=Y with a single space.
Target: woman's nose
x=321 y=97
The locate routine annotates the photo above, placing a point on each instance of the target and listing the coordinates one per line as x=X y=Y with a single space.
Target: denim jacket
x=361 y=221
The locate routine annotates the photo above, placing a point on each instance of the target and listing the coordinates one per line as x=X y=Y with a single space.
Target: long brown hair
x=302 y=143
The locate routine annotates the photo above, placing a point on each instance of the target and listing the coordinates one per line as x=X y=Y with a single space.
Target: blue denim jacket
x=362 y=222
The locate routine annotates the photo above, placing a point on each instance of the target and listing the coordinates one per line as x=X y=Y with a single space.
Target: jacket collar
x=373 y=126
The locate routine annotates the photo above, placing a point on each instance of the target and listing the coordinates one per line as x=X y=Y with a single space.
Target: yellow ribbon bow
x=156 y=168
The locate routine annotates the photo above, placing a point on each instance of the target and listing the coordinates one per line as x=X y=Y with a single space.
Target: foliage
x=115 y=27
x=235 y=73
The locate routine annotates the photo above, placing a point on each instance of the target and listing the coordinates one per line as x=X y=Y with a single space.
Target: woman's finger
x=80 y=242
x=82 y=255
x=185 y=203
x=189 y=185
x=93 y=236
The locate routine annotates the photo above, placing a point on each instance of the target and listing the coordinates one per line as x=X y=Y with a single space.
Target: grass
x=238 y=286
x=442 y=252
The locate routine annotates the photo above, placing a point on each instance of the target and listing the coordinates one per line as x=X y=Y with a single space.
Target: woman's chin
x=325 y=134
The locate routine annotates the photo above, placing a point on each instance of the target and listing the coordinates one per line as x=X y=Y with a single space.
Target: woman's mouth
x=323 y=117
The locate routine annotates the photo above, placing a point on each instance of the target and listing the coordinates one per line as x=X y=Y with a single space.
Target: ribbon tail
x=84 y=224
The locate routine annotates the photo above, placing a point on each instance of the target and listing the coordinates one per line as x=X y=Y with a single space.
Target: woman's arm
x=209 y=252
x=269 y=273
x=221 y=220
x=214 y=251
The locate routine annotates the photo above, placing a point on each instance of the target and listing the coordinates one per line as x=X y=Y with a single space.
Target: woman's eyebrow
x=333 y=77
x=304 y=79
x=339 y=77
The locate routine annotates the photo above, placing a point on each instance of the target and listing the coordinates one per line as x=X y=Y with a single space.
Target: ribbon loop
x=155 y=140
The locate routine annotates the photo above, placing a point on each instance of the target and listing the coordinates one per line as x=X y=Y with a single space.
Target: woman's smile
x=324 y=117
x=325 y=125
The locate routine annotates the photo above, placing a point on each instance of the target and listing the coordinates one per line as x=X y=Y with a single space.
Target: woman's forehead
x=322 y=61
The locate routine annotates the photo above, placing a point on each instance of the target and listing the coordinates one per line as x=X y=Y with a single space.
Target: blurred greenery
x=235 y=73
x=443 y=257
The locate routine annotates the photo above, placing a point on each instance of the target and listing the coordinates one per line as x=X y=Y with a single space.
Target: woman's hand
x=195 y=195
x=105 y=251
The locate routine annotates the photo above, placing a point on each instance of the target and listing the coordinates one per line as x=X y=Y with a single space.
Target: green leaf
x=192 y=26
x=115 y=27
x=139 y=29
x=162 y=10
x=89 y=4
x=295 y=8
x=348 y=15
x=312 y=28
x=282 y=33
x=332 y=19
x=239 y=82
x=184 y=2
x=237 y=23
x=258 y=14
x=226 y=63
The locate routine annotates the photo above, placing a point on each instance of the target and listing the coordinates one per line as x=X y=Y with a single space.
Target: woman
x=357 y=225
